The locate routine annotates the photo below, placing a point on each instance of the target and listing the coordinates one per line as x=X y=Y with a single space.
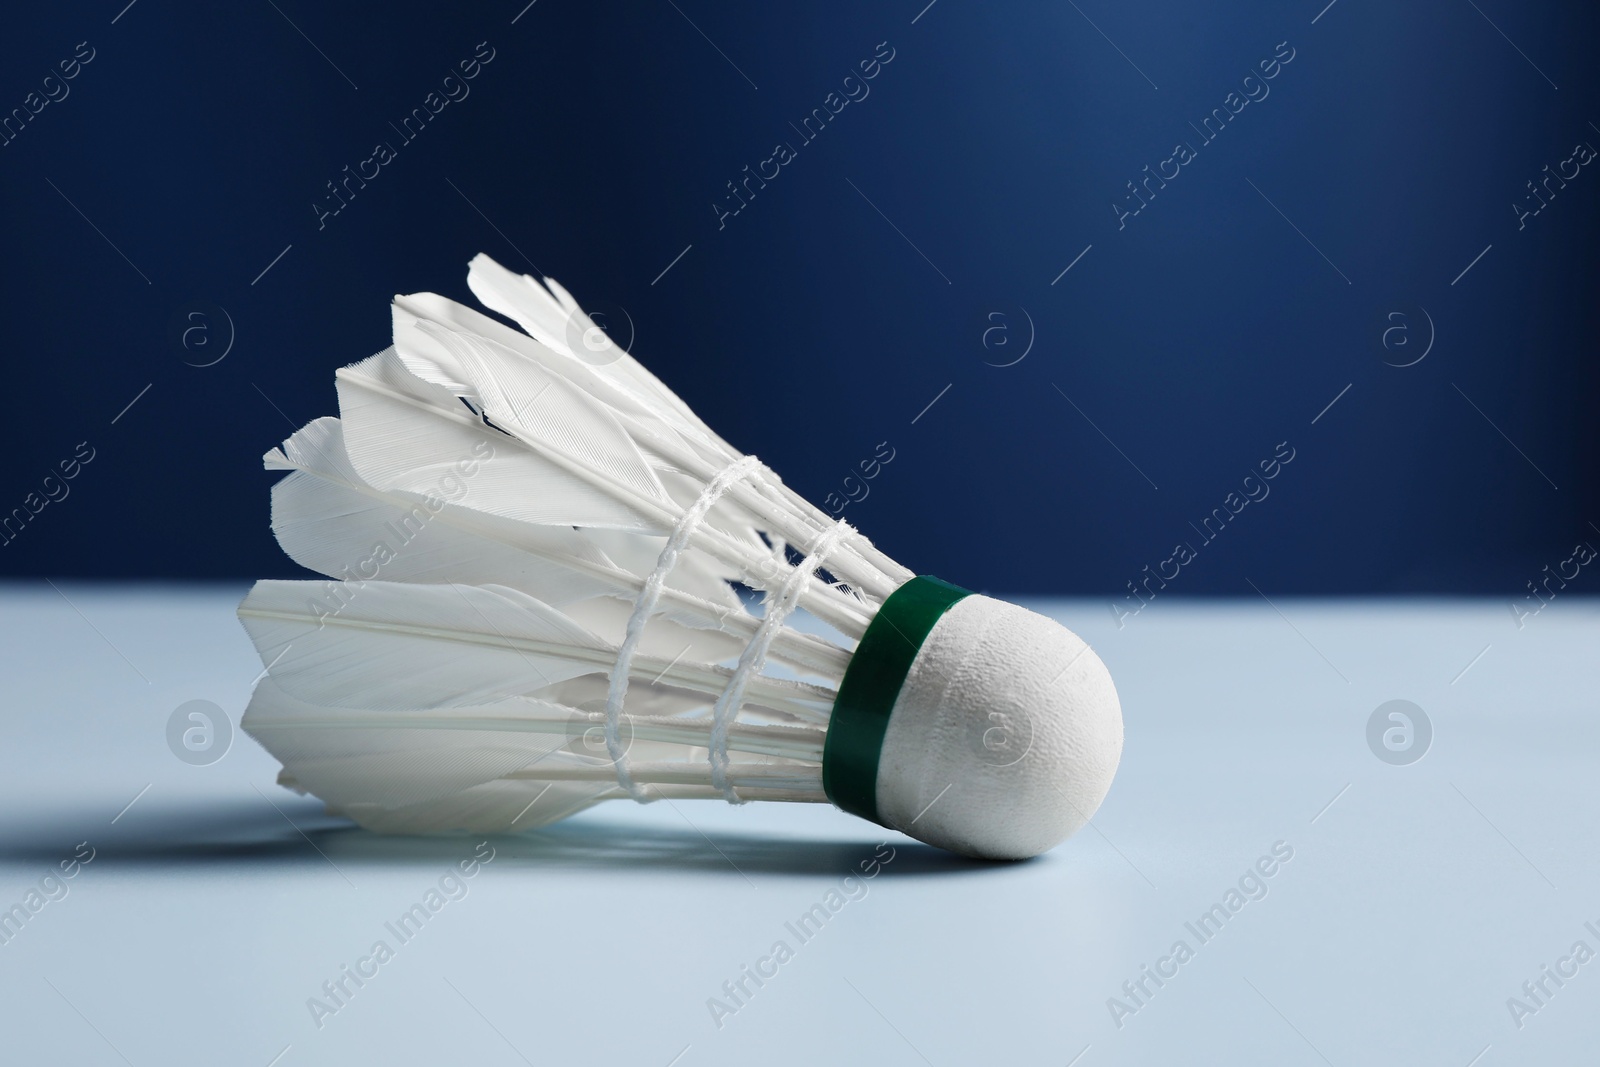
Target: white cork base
x=1005 y=736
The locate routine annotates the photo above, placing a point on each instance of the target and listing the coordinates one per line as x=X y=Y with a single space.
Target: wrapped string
x=646 y=605
x=754 y=657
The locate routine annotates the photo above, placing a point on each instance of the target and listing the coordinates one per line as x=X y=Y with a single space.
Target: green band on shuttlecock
x=870 y=687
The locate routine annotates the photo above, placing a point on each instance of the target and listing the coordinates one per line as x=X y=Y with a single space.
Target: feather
x=521 y=398
x=386 y=645
x=391 y=645
x=558 y=406
x=492 y=504
x=432 y=445
x=328 y=520
x=347 y=761
x=651 y=425
x=549 y=313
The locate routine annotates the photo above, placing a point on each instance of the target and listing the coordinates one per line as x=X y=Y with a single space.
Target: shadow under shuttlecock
x=594 y=844
x=291 y=831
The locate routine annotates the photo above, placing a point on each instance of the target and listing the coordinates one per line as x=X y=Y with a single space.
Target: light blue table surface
x=1418 y=900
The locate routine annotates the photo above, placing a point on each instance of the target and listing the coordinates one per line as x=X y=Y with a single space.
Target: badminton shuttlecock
x=555 y=585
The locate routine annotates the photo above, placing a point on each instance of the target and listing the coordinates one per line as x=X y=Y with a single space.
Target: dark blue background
x=807 y=330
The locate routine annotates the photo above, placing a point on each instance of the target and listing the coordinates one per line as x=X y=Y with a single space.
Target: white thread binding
x=769 y=484
x=646 y=605
x=754 y=657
